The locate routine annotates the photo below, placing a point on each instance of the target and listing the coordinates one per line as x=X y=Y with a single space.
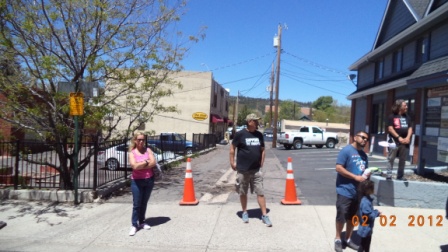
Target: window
x=421 y=51
x=380 y=69
x=379 y=119
x=411 y=107
x=397 y=63
x=316 y=130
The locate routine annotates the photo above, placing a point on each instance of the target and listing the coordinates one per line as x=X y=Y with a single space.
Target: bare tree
x=126 y=47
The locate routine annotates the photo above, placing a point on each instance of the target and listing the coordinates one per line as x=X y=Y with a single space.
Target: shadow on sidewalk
x=355 y=238
x=253 y=213
x=155 y=221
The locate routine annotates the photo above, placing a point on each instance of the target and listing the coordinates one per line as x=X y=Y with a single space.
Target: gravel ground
x=440 y=177
x=436 y=177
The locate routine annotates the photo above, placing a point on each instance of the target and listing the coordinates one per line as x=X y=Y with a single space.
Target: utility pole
x=271 y=91
x=277 y=81
x=235 y=112
x=234 y=122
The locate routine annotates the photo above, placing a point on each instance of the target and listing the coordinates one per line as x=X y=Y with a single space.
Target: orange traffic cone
x=290 y=189
x=189 y=196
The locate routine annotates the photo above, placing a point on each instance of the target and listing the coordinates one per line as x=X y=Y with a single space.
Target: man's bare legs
x=262 y=203
x=243 y=200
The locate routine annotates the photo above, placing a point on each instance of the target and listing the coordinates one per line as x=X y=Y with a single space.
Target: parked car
x=307 y=135
x=268 y=132
x=114 y=157
x=241 y=127
x=172 y=142
x=230 y=132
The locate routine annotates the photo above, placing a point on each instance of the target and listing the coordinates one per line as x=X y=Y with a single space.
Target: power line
x=326 y=68
x=314 y=85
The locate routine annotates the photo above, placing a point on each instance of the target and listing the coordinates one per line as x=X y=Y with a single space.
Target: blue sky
x=320 y=40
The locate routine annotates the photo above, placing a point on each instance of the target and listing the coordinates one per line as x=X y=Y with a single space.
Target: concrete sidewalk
x=210 y=226
x=213 y=227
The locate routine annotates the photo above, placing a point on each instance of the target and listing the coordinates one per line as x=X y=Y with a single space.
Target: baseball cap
x=252 y=117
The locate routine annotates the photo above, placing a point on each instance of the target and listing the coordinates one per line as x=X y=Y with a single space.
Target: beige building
x=202 y=104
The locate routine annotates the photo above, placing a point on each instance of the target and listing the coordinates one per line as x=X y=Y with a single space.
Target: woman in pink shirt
x=142 y=161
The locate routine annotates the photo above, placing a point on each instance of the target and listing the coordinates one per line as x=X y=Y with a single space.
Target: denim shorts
x=252 y=178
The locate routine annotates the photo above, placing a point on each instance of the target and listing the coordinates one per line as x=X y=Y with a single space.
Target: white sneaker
x=132 y=231
x=145 y=226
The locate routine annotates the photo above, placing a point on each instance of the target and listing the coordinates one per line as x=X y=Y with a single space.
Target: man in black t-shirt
x=249 y=160
x=399 y=127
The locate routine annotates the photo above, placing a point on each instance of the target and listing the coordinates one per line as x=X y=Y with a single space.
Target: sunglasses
x=363 y=137
x=140 y=140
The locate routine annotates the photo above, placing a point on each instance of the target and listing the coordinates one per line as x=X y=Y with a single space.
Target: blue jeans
x=141 y=191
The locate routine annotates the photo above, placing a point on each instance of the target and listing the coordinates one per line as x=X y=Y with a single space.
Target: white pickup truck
x=307 y=135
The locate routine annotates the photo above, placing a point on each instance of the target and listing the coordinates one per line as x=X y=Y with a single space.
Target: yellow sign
x=199 y=116
x=76 y=104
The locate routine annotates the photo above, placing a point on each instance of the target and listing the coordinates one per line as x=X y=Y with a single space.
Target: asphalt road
x=314 y=171
x=314 y=174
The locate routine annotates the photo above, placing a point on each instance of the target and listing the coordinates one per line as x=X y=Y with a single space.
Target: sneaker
x=338 y=246
x=352 y=245
x=145 y=226
x=266 y=220
x=132 y=231
x=245 y=217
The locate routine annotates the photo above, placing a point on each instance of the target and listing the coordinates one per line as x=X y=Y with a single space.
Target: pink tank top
x=143 y=173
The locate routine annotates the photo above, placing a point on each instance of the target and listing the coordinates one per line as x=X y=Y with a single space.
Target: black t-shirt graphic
x=401 y=124
x=249 y=146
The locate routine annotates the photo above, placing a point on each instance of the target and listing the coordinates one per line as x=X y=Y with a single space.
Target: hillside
x=258 y=104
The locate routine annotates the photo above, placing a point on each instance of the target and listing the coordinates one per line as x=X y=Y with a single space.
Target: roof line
x=428 y=8
x=414 y=29
x=381 y=25
x=411 y=9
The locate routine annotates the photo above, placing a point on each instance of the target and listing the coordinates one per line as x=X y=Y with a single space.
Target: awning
x=216 y=119
x=381 y=88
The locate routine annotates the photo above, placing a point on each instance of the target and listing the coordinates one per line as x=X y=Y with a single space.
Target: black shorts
x=346 y=208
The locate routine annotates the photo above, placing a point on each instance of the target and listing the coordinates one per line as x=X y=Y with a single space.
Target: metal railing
x=31 y=164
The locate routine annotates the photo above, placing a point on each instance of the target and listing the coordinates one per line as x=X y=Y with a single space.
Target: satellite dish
x=351 y=77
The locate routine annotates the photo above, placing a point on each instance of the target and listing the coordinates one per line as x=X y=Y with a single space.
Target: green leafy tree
x=323 y=103
x=324 y=109
x=289 y=110
x=124 y=46
x=242 y=115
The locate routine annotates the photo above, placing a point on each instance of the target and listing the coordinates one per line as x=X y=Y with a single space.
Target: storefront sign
x=199 y=116
x=444 y=132
x=438 y=91
x=442 y=144
x=442 y=156
x=434 y=102
x=432 y=131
